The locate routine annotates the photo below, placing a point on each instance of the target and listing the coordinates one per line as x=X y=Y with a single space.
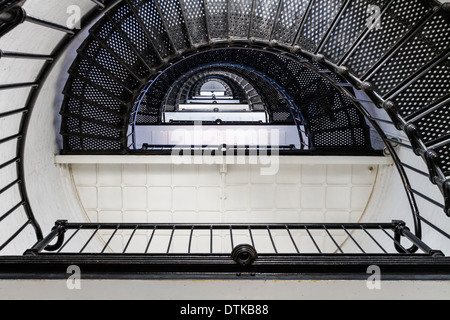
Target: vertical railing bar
x=50 y=25
x=363 y=36
x=380 y=63
x=339 y=248
x=395 y=241
x=407 y=166
x=190 y=240
x=275 y=21
x=183 y=13
x=207 y=26
x=353 y=239
x=14 y=236
x=110 y=239
x=380 y=246
x=100 y=4
x=252 y=13
x=211 y=239
x=434 y=202
x=171 y=238
x=13 y=112
x=10 y=211
x=445 y=234
x=332 y=28
x=251 y=236
x=129 y=42
x=23 y=55
x=303 y=22
x=312 y=238
x=9 y=186
x=271 y=239
x=90 y=239
x=292 y=239
x=166 y=26
x=70 y=239
x=231 y=237
x=150 y=241
x=131 y=238
x=8 y=163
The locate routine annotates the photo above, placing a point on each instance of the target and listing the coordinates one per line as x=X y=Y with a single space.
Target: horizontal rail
x=397 y=228
x=148 y=159
x=227 y=226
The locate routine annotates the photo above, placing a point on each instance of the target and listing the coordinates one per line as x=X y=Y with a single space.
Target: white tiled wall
x=165 y=193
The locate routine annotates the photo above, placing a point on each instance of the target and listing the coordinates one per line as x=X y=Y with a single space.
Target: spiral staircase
x=326 y=67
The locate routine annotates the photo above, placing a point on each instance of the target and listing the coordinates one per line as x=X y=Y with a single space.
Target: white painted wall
x=167 y=193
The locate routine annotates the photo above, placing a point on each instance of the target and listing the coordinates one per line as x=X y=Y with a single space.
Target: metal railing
x=316 y=62
x=66 y=234
x=12 y=16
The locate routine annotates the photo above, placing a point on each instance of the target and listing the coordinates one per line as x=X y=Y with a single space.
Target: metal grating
x=427 y=89
x=84 y=69
x=318 y=22
x=174 y=22
x=291 y=16
x=352 y=23
x=240 y=18
x=434 y=125
x=195 y=18
x=264 y=18
x=108 y=62
x=395 y=24
x=111 y=38
x=131 y=30
x=443 y=159
x=423 y=48
x=152 y=21
x=217 y=18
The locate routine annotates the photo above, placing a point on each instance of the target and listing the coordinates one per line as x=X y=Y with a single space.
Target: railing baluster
x=70 y=239
x=251 y=235
x=10 y=138
x=353 y=239
x=420 y=194
x=231 y=237
x=271 y=239
x=13 y=112
x=314 y=241
x=190 y=239
x=90 y=239
x=13 y=209
x=9 y=186
x=110 y=239
x=150 y=241
x=374 y=240
x=292 y=239
x=329 y=234
x=14 y=236
x=395 y=241
x=50 y=25
x=27 y=56
x=131 y=238
x=211 y=240
x=170 y=241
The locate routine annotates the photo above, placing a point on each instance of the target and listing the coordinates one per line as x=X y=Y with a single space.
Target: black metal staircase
x=318 y=54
